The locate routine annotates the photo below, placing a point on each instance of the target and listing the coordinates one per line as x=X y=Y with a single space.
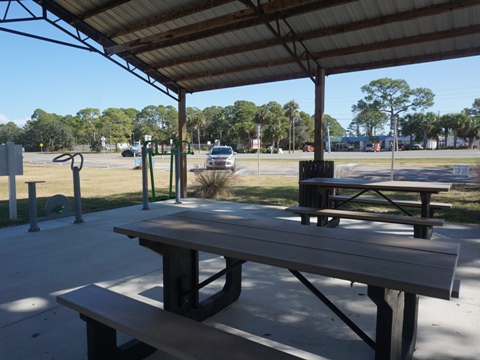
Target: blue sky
x=63 y=80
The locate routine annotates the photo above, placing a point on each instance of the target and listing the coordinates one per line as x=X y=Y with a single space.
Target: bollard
x=32 y=205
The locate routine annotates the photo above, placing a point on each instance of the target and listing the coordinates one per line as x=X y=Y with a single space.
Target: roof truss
x=161 y=46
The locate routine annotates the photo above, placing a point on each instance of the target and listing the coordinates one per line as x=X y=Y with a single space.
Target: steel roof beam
x=418 y=39
x=350 y=68
x=409 y=60
x=278 y=34
x=157 y=20
x=105 y=7
x=335 y=30
x=223 y=24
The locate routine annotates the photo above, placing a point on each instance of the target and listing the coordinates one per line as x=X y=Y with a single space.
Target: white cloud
x=20 y=123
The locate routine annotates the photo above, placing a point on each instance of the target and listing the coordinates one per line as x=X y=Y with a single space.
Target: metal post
x=77 y=197
x=393 y=127
x=328 y=134
x=319 y=114
x=32 y=205
x=259 y=127
x=177 y=177
x=144 y=178
x=11 y=171
x=293 y=138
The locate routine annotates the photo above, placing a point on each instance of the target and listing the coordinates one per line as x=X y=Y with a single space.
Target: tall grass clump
x=212 y=184
x=344 y=171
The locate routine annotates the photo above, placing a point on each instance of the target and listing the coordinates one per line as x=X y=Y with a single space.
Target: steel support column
x=182 y=135
x=319 y=114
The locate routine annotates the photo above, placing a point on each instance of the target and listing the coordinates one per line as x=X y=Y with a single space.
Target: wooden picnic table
x=425 y=190
x=391 y=266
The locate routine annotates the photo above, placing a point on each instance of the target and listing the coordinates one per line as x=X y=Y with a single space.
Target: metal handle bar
x=67 y=157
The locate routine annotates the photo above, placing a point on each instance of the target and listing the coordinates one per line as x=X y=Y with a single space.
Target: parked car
x=308 y=148
x=417 y=147
x=131 y=152
x=369 y=148
x=221 y=157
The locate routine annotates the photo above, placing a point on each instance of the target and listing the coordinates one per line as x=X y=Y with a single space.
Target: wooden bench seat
x=360 y=215
x=106 y=311
x=421 y=226
x=381 y=201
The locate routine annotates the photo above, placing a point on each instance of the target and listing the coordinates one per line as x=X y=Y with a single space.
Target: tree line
x=282 y=126
x=387 y=98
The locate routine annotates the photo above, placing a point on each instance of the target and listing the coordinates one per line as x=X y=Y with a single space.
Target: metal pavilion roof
x=201 y=45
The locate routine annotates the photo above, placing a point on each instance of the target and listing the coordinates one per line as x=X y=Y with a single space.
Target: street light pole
x=293 y=140
x=289 y=137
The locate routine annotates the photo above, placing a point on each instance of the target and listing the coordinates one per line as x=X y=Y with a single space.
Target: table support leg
x=101 y=340
x=181 y=274
x=102 y=343
x=225 y=297
x=324 y=204
x=410 y=325
x=305 y=219
x=424 y=232
x=390 y=313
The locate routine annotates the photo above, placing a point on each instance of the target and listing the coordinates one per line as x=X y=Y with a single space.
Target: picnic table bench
x=409 y=267
x=361 y=215
x=322 y=207
x=343 y=199
x=106 y=312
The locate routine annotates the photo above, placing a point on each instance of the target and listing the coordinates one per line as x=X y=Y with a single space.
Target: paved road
x=290 y=168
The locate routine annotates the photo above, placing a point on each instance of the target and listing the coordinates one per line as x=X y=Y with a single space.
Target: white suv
x=220 y=157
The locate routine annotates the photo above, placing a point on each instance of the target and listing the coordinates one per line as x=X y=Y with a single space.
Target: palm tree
x=429 y=128
x=446 y=122
x=195 y=120
x=458 y=121
x=407 y=124
x=291 y=111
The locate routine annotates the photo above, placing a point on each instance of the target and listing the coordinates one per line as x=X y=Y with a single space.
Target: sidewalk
x=36 y=267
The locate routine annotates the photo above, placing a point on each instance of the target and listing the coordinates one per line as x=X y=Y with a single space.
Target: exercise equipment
x=152 y=151
x=59 y=205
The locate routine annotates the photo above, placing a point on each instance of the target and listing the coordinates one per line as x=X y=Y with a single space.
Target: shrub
x=211 y=184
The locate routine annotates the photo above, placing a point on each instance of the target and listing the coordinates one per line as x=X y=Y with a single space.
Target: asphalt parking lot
x=250 y=163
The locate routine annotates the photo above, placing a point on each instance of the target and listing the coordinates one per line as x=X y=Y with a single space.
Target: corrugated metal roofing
x=213 y=44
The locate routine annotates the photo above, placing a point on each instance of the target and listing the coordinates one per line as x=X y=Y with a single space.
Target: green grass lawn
x=104 y=189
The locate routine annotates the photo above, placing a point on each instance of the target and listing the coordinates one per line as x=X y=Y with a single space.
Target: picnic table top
x=395 y=185
x=388 y=261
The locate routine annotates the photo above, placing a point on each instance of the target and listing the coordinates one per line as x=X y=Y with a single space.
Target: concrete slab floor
x=274 y=308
